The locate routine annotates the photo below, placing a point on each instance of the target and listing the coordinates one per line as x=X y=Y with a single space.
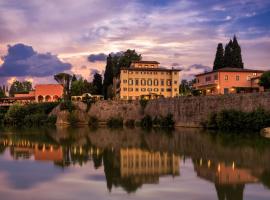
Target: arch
x=55 y=98
x=48 y=98
x=40 y=98
x=79 y=99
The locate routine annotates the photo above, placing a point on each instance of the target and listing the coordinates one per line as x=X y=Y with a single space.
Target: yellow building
x=146 y=78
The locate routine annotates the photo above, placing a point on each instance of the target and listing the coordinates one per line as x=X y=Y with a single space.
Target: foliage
x=146 y=122
x=167 y=121
x=65 y=80
x=238 y=120
x=143 y=103
x=72 y=119
x=18 y=87
x=2 y=93
x=265 y=80
x=97 y=84
x=115 y=122
x=114 y=63
x=67 y=105
x=93 y=121
x=130 y=123
x=219 y=59
x=35 y=119
x=15 y=115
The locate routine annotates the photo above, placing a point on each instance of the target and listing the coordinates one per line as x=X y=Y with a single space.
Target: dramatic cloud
x=97 y=57
x=22 y=60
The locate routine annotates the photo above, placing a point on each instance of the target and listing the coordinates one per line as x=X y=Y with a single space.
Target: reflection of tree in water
x=230 y=192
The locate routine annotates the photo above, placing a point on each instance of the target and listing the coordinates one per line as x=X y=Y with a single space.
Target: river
x=82 y=163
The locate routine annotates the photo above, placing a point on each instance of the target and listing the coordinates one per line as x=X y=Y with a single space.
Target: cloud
x=200 y=67
x=22 y=60
x=97 y=57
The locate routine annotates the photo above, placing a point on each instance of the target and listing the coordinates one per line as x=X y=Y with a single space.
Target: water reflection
x=133 y=158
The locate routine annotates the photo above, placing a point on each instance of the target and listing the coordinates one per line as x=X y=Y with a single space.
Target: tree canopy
x=2 y=93
x=97 y=84
x=219 y=59
x=65 y=80
x=265 y=80
x=18 y=87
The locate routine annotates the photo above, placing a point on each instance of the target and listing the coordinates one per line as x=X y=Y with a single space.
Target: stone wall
x=187 y=111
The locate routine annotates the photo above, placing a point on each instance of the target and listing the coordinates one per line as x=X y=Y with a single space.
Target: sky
x=41 y=38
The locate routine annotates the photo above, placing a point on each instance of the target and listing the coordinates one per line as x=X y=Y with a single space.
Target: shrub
x=35 y=119
x=52 y=119
x=167 y=121
x=72 y=119
x=15 y=114
x=130 y=123
x=146 y=122
x=67 y=105
x=143 y=103
x=114 y=122
x=93 y=121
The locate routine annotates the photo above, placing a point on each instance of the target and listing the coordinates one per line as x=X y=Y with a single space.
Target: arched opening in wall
x=40 y=98
x=79 y=99
x=55 y=98
x=48 y=98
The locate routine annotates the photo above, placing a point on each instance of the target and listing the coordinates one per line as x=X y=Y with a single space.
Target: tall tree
x=2 y=93
x=18 y=87
x=219 y=59
x=265 y=80
x=108 y=75
x=65 y=80
x=97 y=84
x=237 y=56
x=228 y=56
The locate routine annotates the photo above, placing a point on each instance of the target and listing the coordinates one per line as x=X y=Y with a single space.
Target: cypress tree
x=97 y=83
x=228 y=56
x=219 y=59
x=236 y=57
x=108 y=75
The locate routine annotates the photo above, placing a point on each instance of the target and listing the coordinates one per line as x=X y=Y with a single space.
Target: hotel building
x=229 y=80
x=145 y=79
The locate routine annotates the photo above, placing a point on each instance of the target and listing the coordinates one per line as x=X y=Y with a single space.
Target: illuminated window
x=130 y=89
x=216 y=77
x=143 y=82
x=169 y=89
x=143 y=89
x=125 y=89
x=155 y=82
x=149 y=82
x=226 y=77
x=149 y=89
x=248 y=78
x=254 y=74
x=169 y=82
x=237 y=78
x=156 y=89
x=130 y=81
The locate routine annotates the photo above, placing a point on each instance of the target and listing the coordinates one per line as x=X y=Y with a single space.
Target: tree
x=219 y=59
x=108 y=75
x=236 y=56
x=265 y=80
x=186 y=88
x=97 y=84
x=228 y=56
x=18 y=87
x=2 y=93
x=65 y=80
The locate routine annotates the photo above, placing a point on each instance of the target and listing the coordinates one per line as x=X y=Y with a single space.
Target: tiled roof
x=146 y=62
x=150 y=69
x=231 y=69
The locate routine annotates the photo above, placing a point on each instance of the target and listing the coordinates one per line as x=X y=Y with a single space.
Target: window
x=130 y=72
x=208 y=78
x=198 y=80
x=125 y=71
x=149 y=89
x=143 y=89
x=162 y=89
x=124 y=81
x=124 y=97
x=130 y=89
x=169 y=89
x=226 y=77
x=155 y=82
x=143 y=82
x=216 y=77
x=125 y=89
x=248 y=78
x=156 y=89
x=169 y=82
x=175 y=82
x=175 y=89
x=149 y=82
x=130 y=81
x=254 y=74
x=137 y=89
x=161 y=82
x=237 y=78
x=137 y=82
x=140 y=65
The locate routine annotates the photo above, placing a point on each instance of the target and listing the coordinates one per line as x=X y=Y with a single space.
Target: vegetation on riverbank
x=29 y=115
x=234 y=120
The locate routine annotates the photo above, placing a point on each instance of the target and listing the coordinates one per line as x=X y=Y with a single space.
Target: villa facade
x=229 y=80
x=146 y=79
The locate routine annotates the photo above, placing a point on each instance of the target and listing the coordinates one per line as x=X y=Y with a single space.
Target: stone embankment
x=187 y=111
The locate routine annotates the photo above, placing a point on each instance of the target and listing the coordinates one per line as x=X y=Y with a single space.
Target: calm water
x=79 y=163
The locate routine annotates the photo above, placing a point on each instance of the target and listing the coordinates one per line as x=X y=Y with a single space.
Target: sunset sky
x=39 y=38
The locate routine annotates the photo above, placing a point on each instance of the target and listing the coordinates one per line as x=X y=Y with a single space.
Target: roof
x=231 y=69
x=150 y=69
x=146 y=62
x=19 y=98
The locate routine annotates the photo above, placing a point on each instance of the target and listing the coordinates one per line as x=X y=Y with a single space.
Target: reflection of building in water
x=141 y=163
x=25 y=149
x=229 y=180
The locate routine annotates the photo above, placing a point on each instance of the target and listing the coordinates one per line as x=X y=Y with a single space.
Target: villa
x=147 y=79
x=229 y=80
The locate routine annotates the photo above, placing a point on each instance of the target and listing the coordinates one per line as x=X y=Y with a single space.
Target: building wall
x=129 y=89
x=48 y=92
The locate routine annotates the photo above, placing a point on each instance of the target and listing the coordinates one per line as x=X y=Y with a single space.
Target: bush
x=143 y=103
x=93 y=121
x=115 y=122
x=146 y=122
x=130 y=123
x=15 y=114
x=35 y=119
x=167 y=121
x=67 y=105
x=52 y=119
x=238 y=120
x=72 y=119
